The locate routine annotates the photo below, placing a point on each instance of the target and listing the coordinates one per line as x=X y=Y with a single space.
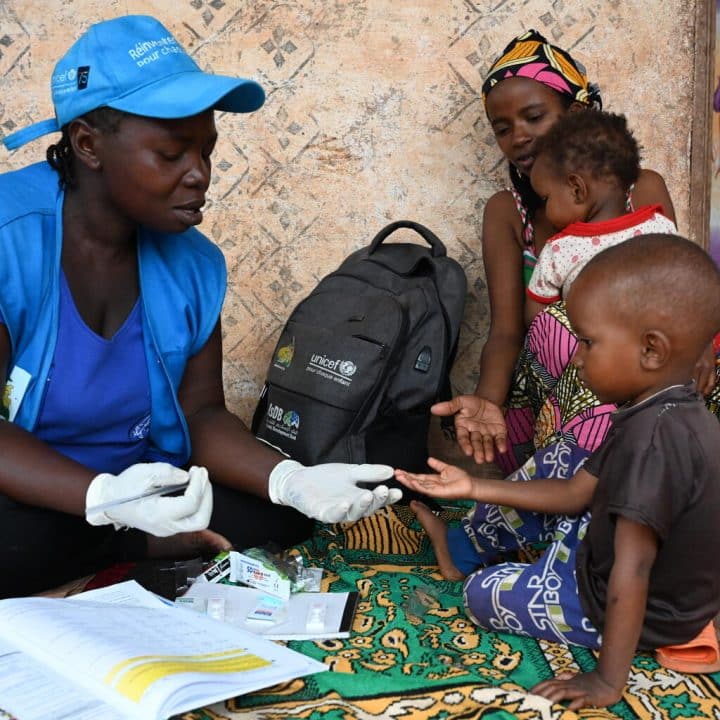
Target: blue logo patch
x=141 y=429
x=291 y=419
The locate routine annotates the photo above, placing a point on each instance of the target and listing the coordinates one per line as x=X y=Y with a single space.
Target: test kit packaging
x=258 y=574
x=218 y=570
x=269 y=609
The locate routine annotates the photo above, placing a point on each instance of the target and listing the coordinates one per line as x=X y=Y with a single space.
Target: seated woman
x=528 y=396
x=110 y=337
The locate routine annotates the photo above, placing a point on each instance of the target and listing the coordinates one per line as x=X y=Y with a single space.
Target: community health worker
x=110 y=337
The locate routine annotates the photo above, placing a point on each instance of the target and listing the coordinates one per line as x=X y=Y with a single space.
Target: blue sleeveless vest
x=182 y=288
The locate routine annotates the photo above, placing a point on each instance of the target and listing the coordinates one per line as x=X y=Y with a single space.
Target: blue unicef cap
x=134 y=64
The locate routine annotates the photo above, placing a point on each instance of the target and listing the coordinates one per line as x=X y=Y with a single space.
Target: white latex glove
x=329 y=492
x=158 y=515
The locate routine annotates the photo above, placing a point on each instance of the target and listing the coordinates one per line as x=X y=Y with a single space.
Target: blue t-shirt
x=96 y=408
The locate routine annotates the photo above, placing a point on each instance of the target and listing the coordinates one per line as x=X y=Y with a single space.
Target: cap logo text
x=83 y=74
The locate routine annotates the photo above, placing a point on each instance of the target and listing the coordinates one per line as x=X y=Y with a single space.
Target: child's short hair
x=667 y=278
x=594 y=141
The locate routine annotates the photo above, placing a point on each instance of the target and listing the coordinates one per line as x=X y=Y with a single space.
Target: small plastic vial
x=216 y=608
x=315 y=618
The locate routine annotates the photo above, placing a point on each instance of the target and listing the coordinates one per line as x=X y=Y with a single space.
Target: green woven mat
x=414 y=654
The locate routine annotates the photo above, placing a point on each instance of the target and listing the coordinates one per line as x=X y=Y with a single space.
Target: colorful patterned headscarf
x=531 y=56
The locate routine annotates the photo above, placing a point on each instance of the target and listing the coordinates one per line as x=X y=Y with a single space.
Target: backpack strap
x=437 y=245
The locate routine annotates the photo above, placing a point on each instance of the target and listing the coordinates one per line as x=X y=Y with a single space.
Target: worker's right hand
x=158 y=515
x=329 y=492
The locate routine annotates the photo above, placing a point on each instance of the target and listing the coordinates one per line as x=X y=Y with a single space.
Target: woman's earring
x=518 y=174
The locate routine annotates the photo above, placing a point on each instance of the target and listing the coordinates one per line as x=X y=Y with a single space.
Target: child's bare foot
x=436 y=530
x=188 y=544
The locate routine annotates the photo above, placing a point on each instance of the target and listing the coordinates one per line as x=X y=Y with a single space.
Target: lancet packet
x=276 y=573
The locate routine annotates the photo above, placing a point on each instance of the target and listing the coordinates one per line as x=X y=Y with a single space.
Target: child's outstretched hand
x=452 y=482
x=583 y=690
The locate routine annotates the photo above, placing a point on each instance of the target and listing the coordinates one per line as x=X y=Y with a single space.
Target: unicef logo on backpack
x=339 y=371
x=348 y=368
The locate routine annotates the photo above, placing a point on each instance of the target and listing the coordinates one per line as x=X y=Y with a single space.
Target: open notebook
x=129 y=656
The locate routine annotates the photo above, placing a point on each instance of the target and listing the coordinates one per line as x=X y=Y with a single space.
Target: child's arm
x=635 y=548
x=553 y=496
x=545 y=283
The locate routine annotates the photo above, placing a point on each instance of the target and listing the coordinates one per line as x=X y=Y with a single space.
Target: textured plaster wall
x=373 y=114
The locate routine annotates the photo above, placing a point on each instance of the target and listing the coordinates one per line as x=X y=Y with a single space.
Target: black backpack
x=364 y=356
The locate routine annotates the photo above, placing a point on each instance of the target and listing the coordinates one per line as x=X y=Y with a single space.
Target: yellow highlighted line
x=134 y=681
x=144 y=658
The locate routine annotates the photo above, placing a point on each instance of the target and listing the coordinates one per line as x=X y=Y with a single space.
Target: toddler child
x=642 y=569
x=584 y=170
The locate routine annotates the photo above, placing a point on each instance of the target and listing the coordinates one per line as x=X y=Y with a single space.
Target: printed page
x=129 y=592
x=147 y=662
x=31 y=691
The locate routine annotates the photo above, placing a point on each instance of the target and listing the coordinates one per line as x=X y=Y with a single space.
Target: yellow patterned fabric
x=531 y=56
x=413 y=653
